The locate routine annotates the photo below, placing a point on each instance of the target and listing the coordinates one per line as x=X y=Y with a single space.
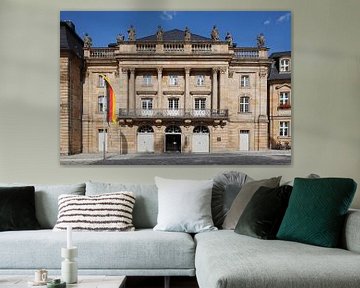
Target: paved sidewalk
x=270 y=157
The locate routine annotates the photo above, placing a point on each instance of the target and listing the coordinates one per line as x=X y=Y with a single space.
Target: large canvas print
x=175 y=87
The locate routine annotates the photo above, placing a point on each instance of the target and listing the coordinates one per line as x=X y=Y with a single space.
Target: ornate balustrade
x=245 y=52
x=180 y=113
x=102 y=52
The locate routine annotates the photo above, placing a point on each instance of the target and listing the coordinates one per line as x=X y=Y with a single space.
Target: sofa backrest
x=146 y=203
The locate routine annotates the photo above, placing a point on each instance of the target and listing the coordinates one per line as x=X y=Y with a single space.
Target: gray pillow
x=243 y=198
x=46 y=200
x=146 y=206
x=226 y=187
x=184 y=205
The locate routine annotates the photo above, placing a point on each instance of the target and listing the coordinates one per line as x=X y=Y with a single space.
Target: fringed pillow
x=105 y=212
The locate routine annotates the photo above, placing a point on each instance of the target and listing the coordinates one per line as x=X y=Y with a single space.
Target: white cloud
x=167 y=15
x=284 y=17
x=267 y=22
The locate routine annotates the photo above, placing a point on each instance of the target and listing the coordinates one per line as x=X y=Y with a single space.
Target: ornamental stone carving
x=131 y=33
x=87 y=41
x=215 y=34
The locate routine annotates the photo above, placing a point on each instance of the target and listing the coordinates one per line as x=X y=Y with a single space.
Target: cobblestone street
x=274 y=157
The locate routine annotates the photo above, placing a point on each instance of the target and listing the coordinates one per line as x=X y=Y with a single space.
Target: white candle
x=69 y=237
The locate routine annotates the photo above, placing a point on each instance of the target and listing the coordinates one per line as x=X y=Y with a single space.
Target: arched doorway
x=173 y=139
x=201 y=140
x=145 y=139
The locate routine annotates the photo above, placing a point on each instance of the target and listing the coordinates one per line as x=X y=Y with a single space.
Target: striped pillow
x=105 y=212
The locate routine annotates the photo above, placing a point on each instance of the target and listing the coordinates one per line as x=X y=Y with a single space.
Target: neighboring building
x=280 y=99
x=71 y=89
x=176 y=91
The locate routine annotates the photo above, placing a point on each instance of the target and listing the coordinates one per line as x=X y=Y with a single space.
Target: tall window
x=284 y=65
x=284 y=99
x=173 y=80
x=174 y=104
x=101 y=103
x=244 y=104
x=146 y=104
x=101 y=81
x=284 y=128
x=200 y=104
x=147 y=80
x=245 y=81
x=200 y=80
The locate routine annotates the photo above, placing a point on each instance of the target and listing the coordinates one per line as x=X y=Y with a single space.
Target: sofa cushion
x=263 y=215
x=17 y=209
x=225 y=259
x=146 y=205
x=46 y=200
x=226 y=187
x=138 y=250
x=317 y=209
x=184 y=205
x=105 y=212
x=243 y=198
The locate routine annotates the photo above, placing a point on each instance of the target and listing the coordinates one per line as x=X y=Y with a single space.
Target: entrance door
x=173 y=143
x=173 y=139
x=102 y=140
x=200 y=140
x=145 y=139
x=244 y=140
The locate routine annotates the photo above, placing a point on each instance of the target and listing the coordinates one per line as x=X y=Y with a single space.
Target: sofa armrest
x=351 y=234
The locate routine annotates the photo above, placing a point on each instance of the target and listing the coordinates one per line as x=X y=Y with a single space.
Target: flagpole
x=104 y=130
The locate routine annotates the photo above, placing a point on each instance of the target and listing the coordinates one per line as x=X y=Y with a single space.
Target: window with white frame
x=147 y=80
x=245 y=81
x=244 y=104
x=173 y=80
x=284 y=98
x=200 y=80
x=284 y=65
x=146 y=106
x=173 y=104
x=284 y=128
x=101 y=81
x=101 y=104
x=200 y=103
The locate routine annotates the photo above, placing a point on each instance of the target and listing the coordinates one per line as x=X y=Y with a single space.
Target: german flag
x=111 y=101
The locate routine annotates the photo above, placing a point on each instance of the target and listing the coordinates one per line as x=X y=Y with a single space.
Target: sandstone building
x=175 y=92
x=71 y=89
x=279 y=90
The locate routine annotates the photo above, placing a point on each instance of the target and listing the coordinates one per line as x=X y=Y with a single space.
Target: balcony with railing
x=250 y=52
x=173 y=114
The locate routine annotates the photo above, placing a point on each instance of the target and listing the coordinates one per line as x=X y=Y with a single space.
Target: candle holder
x=69 y=271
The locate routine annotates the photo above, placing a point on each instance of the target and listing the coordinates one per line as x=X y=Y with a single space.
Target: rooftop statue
x=229 y=39
x=87 y=41
x=215 y=34
x=131 y=33
x=187 y=35
x=120 y=38
x=261 y=40
x=159 y=34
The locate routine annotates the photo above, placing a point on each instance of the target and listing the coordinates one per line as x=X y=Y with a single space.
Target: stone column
x=222 y=95
x=132 y=104
x=187 y=100
x=214 y=104
x=160 y=96
x=125 y=75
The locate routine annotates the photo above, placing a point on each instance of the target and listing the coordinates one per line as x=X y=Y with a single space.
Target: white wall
x=326 y=85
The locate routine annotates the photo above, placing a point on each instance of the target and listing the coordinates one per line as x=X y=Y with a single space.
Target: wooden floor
x=158 y=282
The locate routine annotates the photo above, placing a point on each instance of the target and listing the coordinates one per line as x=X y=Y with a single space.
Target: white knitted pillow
x=105 y=212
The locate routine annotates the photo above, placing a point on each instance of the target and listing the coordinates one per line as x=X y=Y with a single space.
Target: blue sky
x=104 y=26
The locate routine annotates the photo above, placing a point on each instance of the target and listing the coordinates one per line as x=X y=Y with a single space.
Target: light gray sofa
x=219 y=259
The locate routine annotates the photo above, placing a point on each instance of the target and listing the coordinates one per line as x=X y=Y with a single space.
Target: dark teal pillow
x=316 y=211
x=264 y=212
x=17 y=208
